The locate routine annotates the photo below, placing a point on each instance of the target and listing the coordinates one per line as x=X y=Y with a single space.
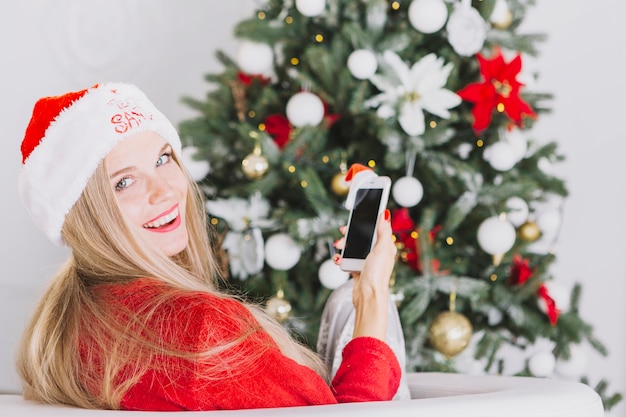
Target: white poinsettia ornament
x=244 y=241
x=411 y=91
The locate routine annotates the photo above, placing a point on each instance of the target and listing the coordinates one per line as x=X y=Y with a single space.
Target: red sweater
x=369 y=371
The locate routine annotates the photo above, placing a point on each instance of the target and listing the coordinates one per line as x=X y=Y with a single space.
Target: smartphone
x=370 y=201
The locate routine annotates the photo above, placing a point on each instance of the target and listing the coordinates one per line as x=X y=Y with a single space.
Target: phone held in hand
x=370 y=201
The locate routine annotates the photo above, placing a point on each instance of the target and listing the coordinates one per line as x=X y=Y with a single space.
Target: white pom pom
x=501 y=156
x=496 y=236
x=281 y=252
x=428 y=16
x=542 y=364
x=311 y=8
x=518 y=211
x=304 y=109
x=255 y=57
x=331 y=276
x=197 y=169
x=407 y=191
x=362 y=64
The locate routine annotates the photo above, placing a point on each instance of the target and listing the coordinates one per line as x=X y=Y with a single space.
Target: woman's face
x=151 y=190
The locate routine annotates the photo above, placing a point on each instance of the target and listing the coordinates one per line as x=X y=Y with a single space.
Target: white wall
x=49 y=47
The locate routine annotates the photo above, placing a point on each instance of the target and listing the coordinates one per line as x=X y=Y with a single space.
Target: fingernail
x=387 y=214
x=336 y=257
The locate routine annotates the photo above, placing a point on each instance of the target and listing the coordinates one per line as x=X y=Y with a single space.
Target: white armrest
x=434 y=395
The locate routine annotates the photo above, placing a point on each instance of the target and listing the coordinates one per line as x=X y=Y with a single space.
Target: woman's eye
x=164 y=159
x=124 y=183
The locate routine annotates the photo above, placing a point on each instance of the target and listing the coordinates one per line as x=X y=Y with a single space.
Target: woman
x=134 y=320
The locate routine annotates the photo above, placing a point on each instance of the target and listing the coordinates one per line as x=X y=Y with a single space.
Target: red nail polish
x=387 y=214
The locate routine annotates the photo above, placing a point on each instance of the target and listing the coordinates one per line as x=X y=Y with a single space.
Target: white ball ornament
x=496 y=235
x=362 y=64
x=197 y=169
x=549 y=221
x=518 y=142
x=311 y=8
x=407 y=191
x=331 y=276
x=542 y=364
x=428 y=16
x=501 y=156
x=255 y=57
x=576 y=365
x=305 y=108
x=281 y=252
x=518 y=211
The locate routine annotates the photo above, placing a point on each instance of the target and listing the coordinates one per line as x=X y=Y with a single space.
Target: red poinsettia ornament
x=499 y=91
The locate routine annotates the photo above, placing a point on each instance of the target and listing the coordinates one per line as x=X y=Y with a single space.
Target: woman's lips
x=165 y=221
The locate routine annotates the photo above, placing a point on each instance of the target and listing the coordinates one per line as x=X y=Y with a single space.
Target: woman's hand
x=371 y=285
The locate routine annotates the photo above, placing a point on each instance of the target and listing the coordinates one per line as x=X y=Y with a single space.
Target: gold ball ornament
x=529 y=232
x=504 y=22
x=278 y=307
x=255 y=165
x=339 y=185
x=450 y=333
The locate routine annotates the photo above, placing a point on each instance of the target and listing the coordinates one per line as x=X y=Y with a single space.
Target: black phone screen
x=362 y=223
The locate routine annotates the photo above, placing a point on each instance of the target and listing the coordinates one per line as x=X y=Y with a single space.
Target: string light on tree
x=305 y=108
x=428 y=16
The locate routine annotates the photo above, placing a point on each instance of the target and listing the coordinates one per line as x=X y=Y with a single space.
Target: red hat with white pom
x=68 y=137
x=357 y=174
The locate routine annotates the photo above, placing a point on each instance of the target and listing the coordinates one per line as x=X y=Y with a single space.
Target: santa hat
x=356 y=175
x=68 y=137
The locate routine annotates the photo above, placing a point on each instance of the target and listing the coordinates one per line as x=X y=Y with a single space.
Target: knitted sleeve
x=369 y=371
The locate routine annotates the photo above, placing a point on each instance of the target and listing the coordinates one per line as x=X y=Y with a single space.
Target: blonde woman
x=134 y=319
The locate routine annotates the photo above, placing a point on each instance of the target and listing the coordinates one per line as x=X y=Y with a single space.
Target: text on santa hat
x=128 y=115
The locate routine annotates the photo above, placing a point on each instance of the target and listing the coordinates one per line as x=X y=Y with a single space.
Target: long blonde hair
x=52 y=361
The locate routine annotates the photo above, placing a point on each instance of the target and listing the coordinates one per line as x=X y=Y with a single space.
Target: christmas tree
x=431 y=93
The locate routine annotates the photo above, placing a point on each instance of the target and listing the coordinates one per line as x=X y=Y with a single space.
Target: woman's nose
x=159 y=190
